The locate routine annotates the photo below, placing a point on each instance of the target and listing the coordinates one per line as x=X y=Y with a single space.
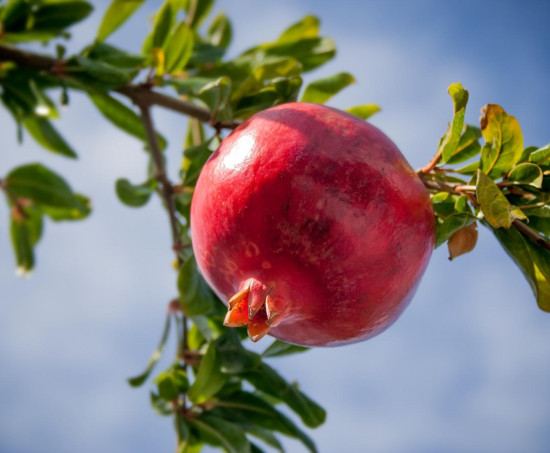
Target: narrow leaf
x=47 y=136
x=320 y=91
x=209 y=379
x=451 y=139
x=532 y=261
x=308 y=27
x=220 y=31
x=364 y=111
x=219 y=432
x=155 y=357
x=279 y=348
x=179 y=48
x=118 y=12
x=267 y=380
x=197 y=10
x=123 y=117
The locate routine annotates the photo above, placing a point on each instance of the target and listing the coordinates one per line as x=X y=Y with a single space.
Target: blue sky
x=465 y=369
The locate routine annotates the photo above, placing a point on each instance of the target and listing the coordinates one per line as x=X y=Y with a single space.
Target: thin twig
x=142 y=95
x=460 y=189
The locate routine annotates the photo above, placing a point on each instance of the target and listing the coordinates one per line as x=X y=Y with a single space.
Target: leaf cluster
x=499 y=183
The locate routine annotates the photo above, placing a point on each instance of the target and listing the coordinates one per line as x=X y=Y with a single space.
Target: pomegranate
x=312 y=226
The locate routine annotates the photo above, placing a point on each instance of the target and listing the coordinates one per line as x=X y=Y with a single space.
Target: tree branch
x=460 y=189
x=141 y=95
x=160 y=174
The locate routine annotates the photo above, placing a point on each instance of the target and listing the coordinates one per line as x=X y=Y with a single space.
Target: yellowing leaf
x=494 y=205
x=503 y=141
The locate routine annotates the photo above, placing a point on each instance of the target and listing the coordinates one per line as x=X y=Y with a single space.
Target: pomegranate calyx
x=252 y=307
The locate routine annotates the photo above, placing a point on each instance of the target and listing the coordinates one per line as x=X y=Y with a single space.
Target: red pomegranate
x=312 y=226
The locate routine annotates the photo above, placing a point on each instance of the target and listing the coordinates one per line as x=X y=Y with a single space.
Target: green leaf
x=47 y=136
x=308 y=27
x=216 y=96
x=279 y=348
x=451 y=139
x=364 y=111
x=179 y=48
x=310 y=52
x=172 y=383
x=79 y=211
x=320 y=91
x=41 y=185
x=164 y=21
x=14 y=13
x=451 y=225
x=219 y=432
x=503 y=141
x=160 y=405
x=123 y=117
x=220 y=31
x=258 y=411
x=234 y=358
x=196 y=297
x=526 y=173
x=209 y=379
x=194 y=157
x=118 y=12
x=204 y=52
x=59 y=15
x=197 y=10
x=496 y=208
x=135 y=195
x=155 y=357
x=25 y=233
x=468 y=145
x=114 y=56
x=108 y=76
x=540 y=155
x=267 y=380
x=531 y=259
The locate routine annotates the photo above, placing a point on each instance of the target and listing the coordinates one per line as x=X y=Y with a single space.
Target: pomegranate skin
x=317 y=214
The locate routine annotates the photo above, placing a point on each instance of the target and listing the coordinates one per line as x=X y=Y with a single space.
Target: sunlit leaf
x=468 y=145
x=531 y=259
x=526 y=173
x=118 y=12
x=220 y=31
x=179 y=48
x=450 y=140
x=364 y=111
x=496 y=208
x=540 y=155
x=320 y=91
x=503 y=141
x=308 y=27
x=197 y=10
